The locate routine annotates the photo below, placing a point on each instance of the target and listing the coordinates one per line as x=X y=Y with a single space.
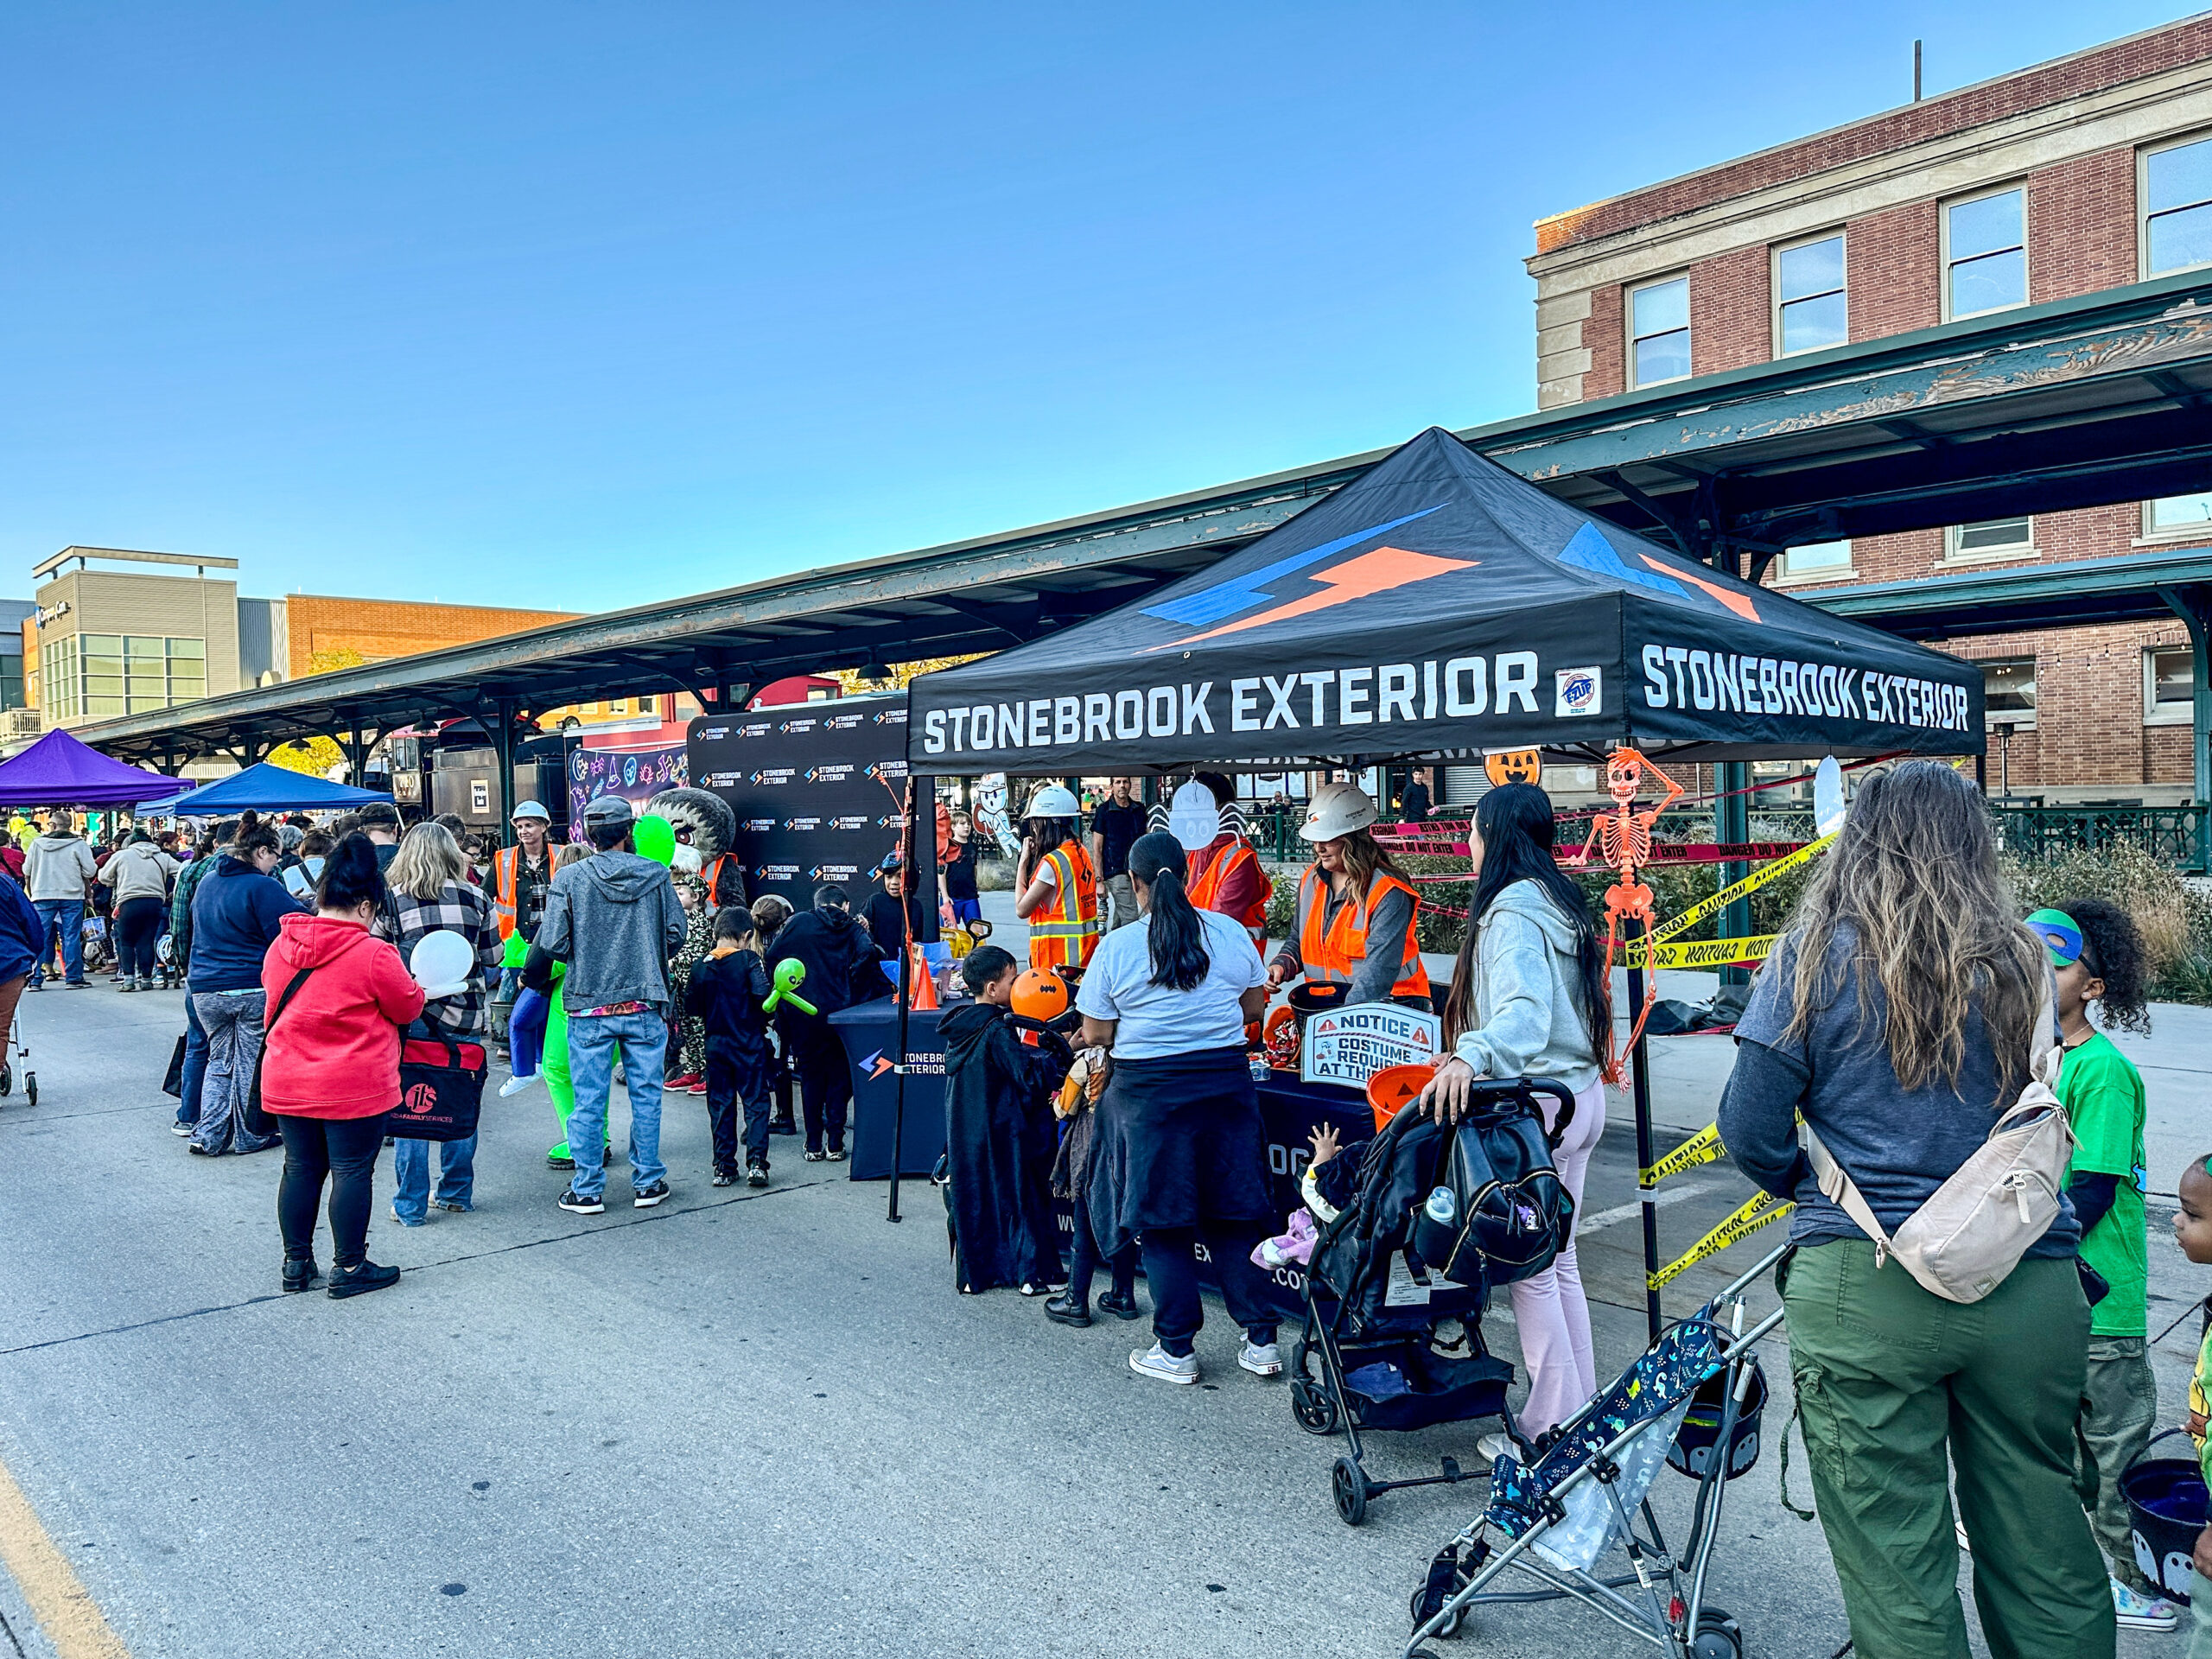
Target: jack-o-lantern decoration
x=1515 y=767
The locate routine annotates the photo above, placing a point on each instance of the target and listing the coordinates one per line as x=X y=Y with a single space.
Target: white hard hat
x=1052 y=801
x=1336 y=810
x=530 y=810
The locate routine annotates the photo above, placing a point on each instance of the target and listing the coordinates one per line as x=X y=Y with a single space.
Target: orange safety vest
x=1064 y=932
x=1209 y=877
x=506 y=866
x=1331 y=955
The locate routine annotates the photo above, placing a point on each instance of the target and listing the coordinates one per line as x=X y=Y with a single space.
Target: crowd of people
x=1907 y=1006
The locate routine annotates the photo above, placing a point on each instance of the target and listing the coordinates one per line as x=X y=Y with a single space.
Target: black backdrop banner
x=1436 y=605
x=817 y=788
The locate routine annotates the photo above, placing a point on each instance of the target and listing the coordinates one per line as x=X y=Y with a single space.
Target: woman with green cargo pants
x=1895 y=1018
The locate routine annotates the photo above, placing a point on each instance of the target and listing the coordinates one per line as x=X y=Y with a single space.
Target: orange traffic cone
x=925 y=986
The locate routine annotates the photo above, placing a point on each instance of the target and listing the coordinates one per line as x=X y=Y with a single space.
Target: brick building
x=2087 y=173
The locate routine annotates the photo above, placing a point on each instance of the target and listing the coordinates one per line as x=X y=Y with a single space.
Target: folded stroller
x=1692 y=1400
x=1440 y=1216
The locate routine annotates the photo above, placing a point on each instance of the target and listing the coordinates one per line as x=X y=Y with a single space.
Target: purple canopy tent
x=59 y=771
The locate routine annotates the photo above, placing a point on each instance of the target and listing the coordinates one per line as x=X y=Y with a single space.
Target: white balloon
x=1827 y=797
x=1193 y=818
x=440 y=959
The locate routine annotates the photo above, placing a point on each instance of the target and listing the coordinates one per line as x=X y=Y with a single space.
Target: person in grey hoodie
x=139 y=879
x=58 y=872
x=1528 y=1000
x=615 y=920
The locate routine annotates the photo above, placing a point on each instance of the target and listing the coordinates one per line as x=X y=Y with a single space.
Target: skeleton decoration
x=1622 y=837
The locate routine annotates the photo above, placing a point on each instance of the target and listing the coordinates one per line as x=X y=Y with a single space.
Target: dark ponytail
x=1177 y=937
x=350 y=875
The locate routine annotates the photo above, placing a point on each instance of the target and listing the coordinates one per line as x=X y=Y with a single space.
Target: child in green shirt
x=2096 y=958
x=2193 y=1232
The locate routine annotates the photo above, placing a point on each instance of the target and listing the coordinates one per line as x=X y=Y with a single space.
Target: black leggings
x=1171 y=1271
x=137 y=927
x=344 y=1149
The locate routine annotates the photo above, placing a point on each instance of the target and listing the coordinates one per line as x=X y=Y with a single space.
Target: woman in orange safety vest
x=1056 y=886
x=1355 y=909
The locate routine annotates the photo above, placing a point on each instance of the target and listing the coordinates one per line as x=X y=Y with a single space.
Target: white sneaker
x=2133 y=1610
x=1495 y=1446
x=1156 y=1361
x=515 y=1086
x=1261 y=1358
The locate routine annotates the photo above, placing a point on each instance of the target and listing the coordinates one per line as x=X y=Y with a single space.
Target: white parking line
x=1621 y=1213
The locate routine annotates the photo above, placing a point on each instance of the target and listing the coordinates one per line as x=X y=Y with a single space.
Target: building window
x=100 y=675
x=1659 y=332
x=1986 y=253
x=2169 y=685
x=1810 y=309
x=1992 y=538
x=2179 y=516
x=1815 y=561
x=2009 y=689
x=2175 y=192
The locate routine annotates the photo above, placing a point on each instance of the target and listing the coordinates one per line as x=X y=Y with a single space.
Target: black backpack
x=1511 y=1213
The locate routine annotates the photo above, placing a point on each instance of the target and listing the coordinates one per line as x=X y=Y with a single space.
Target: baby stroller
x=15 y=1048
x=1693 y=1400
x=165 y=968
x=1439 y=1216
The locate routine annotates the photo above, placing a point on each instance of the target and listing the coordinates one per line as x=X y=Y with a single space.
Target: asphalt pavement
x=745 y=1423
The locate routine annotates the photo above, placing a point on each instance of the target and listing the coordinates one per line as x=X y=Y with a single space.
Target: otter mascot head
x=706 y=838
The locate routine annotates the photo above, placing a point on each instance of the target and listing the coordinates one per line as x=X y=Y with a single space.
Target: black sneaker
x=756 y=1174
x=1065 y=1310
x=301 y=1275
x=725 y=1176
x=551 y=1162
x=1120 y=1306
x=649 y=1195
x=780 y=1126
x=360 y=1280
x=577 y=1205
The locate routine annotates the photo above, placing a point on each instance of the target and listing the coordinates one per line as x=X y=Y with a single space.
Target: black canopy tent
x=1440 y=605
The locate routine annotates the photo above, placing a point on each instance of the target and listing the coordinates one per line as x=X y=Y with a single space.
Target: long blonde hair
x=1914 y=877
x=427 y=858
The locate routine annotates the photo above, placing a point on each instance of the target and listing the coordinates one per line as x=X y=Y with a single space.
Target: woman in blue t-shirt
x=1181 y=1153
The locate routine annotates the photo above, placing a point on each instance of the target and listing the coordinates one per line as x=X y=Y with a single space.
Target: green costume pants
x=2119 y=1408
x=1894 y=1384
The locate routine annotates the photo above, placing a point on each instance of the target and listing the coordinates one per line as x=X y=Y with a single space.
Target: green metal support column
x=1731 y=817
x=2191 y=605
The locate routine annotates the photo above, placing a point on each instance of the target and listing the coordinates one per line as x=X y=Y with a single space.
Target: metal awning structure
x=2069 y=404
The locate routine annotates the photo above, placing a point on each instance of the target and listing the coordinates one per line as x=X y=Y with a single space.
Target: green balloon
x=654 y=838
x=791 y=974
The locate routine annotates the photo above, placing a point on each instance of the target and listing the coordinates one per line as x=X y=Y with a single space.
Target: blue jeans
x=592 y=1039
x=410 y=1166
x=68 y=915
x=195 y=1062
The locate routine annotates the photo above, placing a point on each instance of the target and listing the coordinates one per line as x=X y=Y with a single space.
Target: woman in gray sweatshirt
x=1528 y=1000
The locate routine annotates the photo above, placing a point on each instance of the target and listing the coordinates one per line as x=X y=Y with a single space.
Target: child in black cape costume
x=999 y=1133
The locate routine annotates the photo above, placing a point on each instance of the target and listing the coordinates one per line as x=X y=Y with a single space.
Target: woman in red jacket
x=337 y=999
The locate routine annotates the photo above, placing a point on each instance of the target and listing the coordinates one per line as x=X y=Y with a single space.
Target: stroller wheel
x=1451 y=1625
x=1349 y=1487
x=1718 y=1636
x=1309 y=1402
x=30 y=1088
x=7 y=1078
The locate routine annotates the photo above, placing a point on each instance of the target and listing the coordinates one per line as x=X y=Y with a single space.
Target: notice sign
x=1349 y=1045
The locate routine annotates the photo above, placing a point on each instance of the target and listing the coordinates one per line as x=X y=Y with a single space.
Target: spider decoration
x=1623 y=838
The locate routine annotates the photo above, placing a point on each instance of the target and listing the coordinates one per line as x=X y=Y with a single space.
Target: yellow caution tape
x=1762 y=1208
x=1698 y=953
x=1703 y=1148
x=1728 y=895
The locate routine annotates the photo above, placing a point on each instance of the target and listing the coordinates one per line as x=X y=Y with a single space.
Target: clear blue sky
x=587 y=305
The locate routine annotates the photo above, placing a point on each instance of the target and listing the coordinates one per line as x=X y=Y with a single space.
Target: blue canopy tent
x=266 y=788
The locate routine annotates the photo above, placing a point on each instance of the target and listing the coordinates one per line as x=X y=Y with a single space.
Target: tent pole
x=905 y=1001
x=1732 y=822
x=1640 y=1081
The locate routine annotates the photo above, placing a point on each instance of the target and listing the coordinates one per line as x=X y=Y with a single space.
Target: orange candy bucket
x=1389 y=1089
